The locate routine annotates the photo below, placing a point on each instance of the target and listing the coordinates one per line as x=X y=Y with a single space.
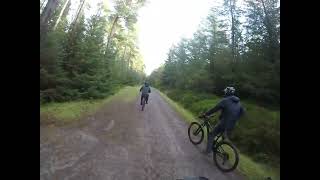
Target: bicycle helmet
x=228 y=91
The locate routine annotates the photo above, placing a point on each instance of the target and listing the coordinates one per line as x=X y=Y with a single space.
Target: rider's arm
x=149 y=90
x=141 y=88
x=219 y=106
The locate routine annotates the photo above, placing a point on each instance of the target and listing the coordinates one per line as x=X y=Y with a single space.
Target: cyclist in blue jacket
x=231 y=111
x=145 y=90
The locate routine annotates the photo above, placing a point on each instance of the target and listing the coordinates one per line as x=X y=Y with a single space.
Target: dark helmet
x=228 y=91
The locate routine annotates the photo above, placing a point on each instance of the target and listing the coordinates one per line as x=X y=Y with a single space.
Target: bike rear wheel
x=226 y=156
x=195 y=133
x=143 y=103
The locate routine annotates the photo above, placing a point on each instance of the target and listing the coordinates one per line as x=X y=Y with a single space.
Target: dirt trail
x=122 y=142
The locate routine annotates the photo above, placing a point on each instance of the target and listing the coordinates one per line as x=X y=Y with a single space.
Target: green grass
x=66 y=112
x=188 y=116
x=127 y=94
x=256 y=171
x=251 y=169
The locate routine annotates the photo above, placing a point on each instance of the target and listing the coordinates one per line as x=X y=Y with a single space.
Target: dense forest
x=88 y=57
x=91 y=56
x=234 y=46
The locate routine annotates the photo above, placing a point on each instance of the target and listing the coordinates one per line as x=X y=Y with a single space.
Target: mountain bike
x=225 y=154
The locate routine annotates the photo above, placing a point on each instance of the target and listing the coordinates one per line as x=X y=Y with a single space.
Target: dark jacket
x=231 y=111
x=145 y=89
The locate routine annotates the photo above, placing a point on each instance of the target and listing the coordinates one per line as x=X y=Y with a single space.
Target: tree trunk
x=48 y=11
x=78 y=14
x=232 y=32
x=130 y=61
x=45 y=17
x=112 y=31
x=271 y=34
x=61 y=13
x=124 y=65
x=42 y=4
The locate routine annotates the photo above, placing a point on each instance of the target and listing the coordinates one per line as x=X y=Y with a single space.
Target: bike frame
x=209 y=128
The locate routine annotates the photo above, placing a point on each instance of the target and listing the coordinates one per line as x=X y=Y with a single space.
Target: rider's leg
x=227 y=134
x=211 y=136
x=147 y=97
x=210 y=142
x=141 y=99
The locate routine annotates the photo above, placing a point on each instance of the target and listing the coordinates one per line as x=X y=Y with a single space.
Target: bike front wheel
x=195 y=133
x=143 y=103
x=225 y=156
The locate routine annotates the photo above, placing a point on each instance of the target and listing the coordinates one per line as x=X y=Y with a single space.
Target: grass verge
x=66 y=112
x=188 y=116
x=249 y=168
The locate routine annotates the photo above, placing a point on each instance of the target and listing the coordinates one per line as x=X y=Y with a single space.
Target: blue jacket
x=231 y=111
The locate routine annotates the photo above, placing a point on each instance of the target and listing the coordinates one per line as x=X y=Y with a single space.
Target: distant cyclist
x=231 y=111
x=145 y=90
